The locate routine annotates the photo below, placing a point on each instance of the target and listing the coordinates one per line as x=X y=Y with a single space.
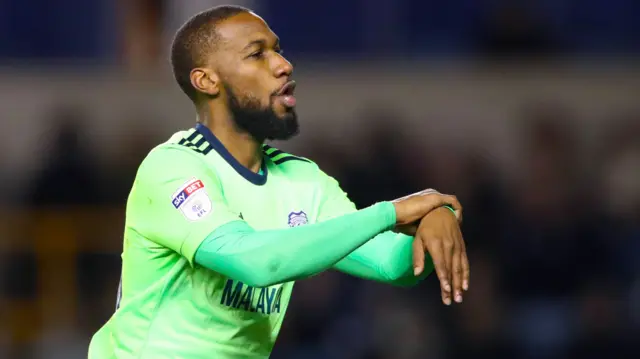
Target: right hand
x=439 y=235
x=412 y=208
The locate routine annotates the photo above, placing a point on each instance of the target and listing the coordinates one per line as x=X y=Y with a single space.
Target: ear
x=205 y=81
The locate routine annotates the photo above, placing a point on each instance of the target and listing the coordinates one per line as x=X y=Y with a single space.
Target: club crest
x=298 y=219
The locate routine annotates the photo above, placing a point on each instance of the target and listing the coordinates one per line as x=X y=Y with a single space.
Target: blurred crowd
x=553 y=252
x=553 y=244
x=137 y=32
x=553 y=249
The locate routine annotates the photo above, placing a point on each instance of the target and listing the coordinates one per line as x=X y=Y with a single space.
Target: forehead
x=240 y=30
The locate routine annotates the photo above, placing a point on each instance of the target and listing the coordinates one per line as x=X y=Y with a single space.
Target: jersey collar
x=255 y=178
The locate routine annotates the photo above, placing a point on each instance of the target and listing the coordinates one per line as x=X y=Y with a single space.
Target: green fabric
x=265 y=258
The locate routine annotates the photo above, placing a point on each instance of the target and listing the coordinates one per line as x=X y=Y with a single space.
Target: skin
x=437 y=232
x=439 y=236
x=248 y=60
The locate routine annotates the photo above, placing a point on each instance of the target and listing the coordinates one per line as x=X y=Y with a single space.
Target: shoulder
x=183 y=150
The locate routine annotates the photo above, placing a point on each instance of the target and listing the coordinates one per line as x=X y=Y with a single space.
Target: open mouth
x=288 y=89
x=285 y=94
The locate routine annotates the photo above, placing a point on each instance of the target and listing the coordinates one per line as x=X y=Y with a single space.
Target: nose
x=283 y=67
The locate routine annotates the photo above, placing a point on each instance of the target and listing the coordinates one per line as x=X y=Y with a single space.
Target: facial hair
x=262 y=123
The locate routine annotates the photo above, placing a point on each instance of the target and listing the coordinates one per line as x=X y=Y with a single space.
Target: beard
x=262 y=123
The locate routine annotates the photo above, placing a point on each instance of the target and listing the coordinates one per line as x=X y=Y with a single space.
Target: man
x=219 y=225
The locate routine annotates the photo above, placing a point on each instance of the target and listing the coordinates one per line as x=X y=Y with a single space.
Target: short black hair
x=195 y=40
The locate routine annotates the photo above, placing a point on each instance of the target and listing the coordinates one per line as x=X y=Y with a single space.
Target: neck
x=242 y=146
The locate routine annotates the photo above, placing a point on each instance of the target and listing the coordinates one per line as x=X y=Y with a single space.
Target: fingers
x=455 y=204
x=442 y=238
x=436 y=250
x=438 y=200
x=418 y=256
x=456 y=271
x=448 y=247
x=459 y=216
x=458 y=267
x=465 y=266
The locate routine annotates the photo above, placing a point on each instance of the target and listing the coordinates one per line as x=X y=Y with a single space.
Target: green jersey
x=170 y=306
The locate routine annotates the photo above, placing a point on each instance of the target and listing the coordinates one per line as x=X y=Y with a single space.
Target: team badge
x=298 y=219
x=192 y=200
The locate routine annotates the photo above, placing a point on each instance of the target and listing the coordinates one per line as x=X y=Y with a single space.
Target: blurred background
x=527 y=110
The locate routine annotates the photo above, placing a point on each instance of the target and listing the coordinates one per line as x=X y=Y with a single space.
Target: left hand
x=411 y=229
x=439 y=234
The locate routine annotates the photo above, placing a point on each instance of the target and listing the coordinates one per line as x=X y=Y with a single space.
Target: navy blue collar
x=255 y=178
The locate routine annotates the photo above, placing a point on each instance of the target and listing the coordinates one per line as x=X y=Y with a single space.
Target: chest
x=279 y=203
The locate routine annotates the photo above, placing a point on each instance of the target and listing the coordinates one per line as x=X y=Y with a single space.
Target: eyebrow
x=261 y=43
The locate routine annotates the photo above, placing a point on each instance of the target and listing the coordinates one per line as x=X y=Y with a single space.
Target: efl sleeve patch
x=192 y=200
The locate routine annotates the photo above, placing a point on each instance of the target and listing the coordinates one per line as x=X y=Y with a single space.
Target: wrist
x=451 y=209
x=390 y=214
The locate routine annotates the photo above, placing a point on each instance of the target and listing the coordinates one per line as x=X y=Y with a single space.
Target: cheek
x=251 y=98
x=253 y=91
x=257 y=82
x=253 y=84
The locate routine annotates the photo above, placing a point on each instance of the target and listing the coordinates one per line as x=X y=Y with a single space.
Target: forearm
x=263 y=258
x=386 y=258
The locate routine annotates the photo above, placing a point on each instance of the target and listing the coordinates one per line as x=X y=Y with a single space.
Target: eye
x=257 y=55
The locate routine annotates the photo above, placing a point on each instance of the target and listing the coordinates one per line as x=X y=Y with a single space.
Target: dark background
x=527 y=110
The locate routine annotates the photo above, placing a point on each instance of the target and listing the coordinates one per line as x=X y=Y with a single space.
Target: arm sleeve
x=178 y=203
x=386 y=258
x=264 y=258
